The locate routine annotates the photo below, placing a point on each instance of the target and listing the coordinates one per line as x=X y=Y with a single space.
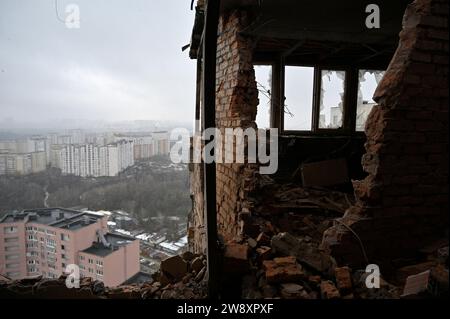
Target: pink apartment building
x=44 y=241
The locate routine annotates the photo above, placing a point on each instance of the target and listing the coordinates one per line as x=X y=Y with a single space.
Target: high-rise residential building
x=160 y=143
x=15 y=164
x=146 y=145
x=94 y=160
x=38 y=162
x=64 y=139
x=23 y=156
x=45 y=241
x=143 y=147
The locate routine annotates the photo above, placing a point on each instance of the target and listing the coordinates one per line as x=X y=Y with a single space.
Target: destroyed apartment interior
x=361 y=186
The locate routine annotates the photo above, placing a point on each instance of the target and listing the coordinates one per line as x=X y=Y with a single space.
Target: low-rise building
x=45 y=241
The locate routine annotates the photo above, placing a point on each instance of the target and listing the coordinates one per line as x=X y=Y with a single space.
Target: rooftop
x=55 y=217
x=116 y=241
x=139 y=278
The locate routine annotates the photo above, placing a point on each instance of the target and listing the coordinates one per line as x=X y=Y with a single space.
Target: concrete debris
x=174 y=267
x=189 y=286
x=236 y=258
x=293 y=291
x=306 y=253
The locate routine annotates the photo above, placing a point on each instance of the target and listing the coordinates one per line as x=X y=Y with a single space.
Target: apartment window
x=316 y=99
x=63 y=247
x=367 y=84
x=11 y=257
x=32 y=269
x=63 y=256
x=331 y=107
x=82 y=267
x=12 y=265
x=10 y=230
x=90 y=261
x=12 y=274
x=50 y=242
x=11 y=248
x=81 y=257
x=91 y=270
x=298 y=104
x=51 y=259
x=63 y=265
x=65 y=237
x=11 y=240
x=263 y=75
x=100 y=263
x=99 y=272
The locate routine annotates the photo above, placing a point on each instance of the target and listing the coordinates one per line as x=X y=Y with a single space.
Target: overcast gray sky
x=124 y=63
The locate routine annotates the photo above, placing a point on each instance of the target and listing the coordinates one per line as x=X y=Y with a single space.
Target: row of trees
x=144 y=192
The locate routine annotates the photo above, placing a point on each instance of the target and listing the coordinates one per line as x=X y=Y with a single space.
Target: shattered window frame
x=318 y=105
x=266 y=90
x=378 y=73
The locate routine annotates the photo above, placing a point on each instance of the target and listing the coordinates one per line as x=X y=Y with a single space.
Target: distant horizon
x=91 y=125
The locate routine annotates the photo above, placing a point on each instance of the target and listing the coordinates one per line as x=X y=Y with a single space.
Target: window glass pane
x=331 y=99
x=368 y=82
x=299 y=83
x=263 y=74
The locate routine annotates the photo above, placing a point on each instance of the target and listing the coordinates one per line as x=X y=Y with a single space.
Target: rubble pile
x=280 y=255
x=180 y=277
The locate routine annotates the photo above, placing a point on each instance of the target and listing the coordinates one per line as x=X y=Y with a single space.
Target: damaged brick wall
x=403 y=202
x=236 y=102
x=196 y=221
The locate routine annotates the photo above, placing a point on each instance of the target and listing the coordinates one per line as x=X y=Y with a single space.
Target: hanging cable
x=357 y=237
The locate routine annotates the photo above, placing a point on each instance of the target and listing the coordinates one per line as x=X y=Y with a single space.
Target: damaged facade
x=372 y=197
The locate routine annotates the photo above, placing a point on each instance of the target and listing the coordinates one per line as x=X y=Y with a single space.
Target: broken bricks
x=343 y=279
x=306 y=253
x=328 y=290
x=283 y=270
